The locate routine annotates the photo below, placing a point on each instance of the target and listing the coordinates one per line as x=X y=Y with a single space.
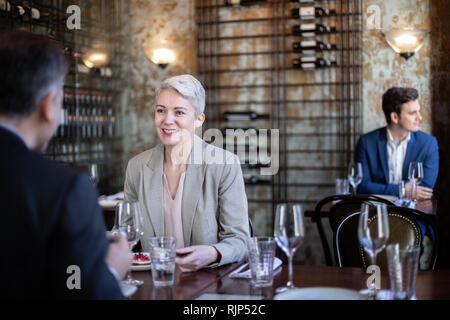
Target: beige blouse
x=173 y=224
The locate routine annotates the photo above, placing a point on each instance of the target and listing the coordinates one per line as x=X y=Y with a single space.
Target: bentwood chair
x=408 y=227
x=349 y=204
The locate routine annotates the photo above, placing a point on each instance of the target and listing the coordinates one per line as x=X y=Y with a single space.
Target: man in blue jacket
x=52 y=226
x=385 y=153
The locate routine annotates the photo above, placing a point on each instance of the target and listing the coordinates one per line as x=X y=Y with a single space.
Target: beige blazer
x=214 y=205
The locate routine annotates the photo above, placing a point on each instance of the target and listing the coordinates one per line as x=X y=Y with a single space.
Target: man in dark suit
x=53 y=240
x=385 y=153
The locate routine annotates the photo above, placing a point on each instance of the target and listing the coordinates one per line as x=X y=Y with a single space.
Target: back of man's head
x=394 y=98
x=31 y=66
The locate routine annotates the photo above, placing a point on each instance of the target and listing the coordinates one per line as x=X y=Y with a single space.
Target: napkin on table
x=244 y=272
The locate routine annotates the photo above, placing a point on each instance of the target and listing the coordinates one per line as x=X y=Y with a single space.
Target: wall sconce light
x=405 y=41
x=96 y=57
x=159 y=53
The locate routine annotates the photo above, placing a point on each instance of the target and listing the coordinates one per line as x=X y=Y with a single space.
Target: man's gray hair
x=189 y=87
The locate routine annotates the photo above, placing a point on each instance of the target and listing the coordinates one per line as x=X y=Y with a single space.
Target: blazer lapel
x=382 y=153
x=410 y=150
x=153 y=187
x=192 y=187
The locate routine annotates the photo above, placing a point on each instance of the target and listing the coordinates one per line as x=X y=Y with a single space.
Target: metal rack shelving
x=244 y=55
x=100 y=22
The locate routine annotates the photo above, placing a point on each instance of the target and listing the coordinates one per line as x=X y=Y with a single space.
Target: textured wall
x=383 y=68
x=153 y=20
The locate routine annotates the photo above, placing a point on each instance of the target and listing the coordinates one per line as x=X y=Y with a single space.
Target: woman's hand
x=196 y=257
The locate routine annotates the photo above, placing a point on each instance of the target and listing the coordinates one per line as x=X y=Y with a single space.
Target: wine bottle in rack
x=250 y=179
x=17 y=11
x=311 y=29
x=254 y=165
x=312 y=46
x=31 y=14
x=241 y=2
x=311 y=12
x=312 y=63
x=35 y=13
x=226 y=131
x=111 y=122
x=5 y=6
x=303 y=1
x=244 y=115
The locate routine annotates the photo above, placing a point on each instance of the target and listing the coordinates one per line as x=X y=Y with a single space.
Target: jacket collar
x=153 y=173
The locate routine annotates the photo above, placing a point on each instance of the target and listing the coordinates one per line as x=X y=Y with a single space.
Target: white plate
x=127 y=289
x=320 y=293
x=141 y=267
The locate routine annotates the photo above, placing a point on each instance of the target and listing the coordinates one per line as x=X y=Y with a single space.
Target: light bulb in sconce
x=405 y=41
x=96 y=57
x=159 y=53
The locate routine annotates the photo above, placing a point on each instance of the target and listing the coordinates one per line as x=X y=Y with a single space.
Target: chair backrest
x=344 y=206
x=404 y=228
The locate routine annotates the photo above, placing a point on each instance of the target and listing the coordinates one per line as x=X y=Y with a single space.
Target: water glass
x=342 y=186
x=402 y=197
x=162 y=257
x=403 y=265
x=355 y=175
x=415 y=176
x=261 y=251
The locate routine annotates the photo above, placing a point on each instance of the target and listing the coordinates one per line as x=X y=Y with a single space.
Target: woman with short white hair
x=180 y=193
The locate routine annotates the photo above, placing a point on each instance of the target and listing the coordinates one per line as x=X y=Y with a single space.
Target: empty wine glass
x=289 y=234
x=93 y=173
x=129 y=223
x=355 y=175
x=415 y=177
x=373 y=233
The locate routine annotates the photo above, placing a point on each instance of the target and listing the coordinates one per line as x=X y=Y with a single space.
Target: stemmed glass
x=355 y=175
x=289 y=234
x=128 y=222
x=93 y=173
x=373 y=232
x=415 y=176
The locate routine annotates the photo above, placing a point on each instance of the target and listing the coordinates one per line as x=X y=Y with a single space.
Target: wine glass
x=289 y=234
x=355 y=175
x=415 y=176
x=373 y=232
x=129 y=223
x=93 y=173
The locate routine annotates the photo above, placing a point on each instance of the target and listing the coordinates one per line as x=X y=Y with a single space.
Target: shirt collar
x=392 y=140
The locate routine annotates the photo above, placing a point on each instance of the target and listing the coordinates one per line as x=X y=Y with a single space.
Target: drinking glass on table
x=373 y=233
x=415 y=176
x=93 y=173
x=289 y=234
x=355 y=175
x=129 y=223
x=402 y=196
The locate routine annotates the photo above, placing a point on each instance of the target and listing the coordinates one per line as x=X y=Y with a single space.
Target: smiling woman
x=203 y=205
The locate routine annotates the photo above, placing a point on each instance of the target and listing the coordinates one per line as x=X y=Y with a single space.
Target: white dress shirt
x=396 y=156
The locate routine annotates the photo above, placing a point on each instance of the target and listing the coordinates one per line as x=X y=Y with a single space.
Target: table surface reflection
x=431 y=285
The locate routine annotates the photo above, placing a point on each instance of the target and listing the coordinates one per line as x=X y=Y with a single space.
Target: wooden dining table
x=217 y=283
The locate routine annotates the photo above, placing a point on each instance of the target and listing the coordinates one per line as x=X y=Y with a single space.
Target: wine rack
x=246 y=57
x=88 y=132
